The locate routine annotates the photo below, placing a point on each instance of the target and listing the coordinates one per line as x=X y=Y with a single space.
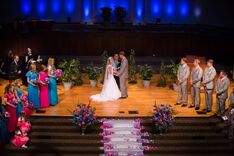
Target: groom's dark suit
x=117 y=65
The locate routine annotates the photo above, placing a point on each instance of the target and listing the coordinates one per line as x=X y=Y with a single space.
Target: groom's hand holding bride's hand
x=116 y=73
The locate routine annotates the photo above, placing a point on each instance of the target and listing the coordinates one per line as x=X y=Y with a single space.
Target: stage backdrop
x=210 y=12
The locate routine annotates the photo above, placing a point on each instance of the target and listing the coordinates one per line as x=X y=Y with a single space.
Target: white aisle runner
x=122 y=137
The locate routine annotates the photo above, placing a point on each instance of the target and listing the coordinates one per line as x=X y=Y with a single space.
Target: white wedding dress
x=110 y=90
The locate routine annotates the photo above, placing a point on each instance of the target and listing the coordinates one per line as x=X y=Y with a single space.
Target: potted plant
x=120 y=14
x=106 y=14
x=146 y=73
x=84 y=116
x=104 y=61
x=93 y=74
x=71 y=73
x=171 y=72
x=162 y=78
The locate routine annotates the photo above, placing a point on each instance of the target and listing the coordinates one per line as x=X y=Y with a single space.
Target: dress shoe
x=184 y=105
x=197 y=108
x=123 y=97
x=178 y=104
x=209 y=110
x=191 y=106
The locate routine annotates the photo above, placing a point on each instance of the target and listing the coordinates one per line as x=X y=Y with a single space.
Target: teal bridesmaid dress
x=33 y=91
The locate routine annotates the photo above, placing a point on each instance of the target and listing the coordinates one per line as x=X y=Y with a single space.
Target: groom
x=123 y=75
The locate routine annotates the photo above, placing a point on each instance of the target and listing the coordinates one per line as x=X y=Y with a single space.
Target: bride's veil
x=109 y=61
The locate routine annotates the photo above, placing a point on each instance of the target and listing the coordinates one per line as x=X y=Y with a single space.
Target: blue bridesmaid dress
x=33 y=91
x=53 y=93
x=19 y=107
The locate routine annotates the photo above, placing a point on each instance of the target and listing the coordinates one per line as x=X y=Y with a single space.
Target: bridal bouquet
x=163 y=117
x=58 y=73
x=83 y=116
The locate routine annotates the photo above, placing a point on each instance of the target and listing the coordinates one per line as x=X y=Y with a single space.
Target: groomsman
x=116 y=67
x=231 y=112
x=208 y=82
x=182 y=76
x=221 y=93
x=196 y=76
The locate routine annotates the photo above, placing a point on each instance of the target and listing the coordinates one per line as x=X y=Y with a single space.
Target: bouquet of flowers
x=163 y=117
x=36 y=81
x=7 y=115
x=46 y=81
x=24 y=101
x=58 y=73
x=83 y=116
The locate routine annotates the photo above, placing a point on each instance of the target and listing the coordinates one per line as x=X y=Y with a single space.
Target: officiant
x=117 y=65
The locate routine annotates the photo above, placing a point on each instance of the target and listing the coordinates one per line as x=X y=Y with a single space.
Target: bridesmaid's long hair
x=33 y=68
x=51 y=62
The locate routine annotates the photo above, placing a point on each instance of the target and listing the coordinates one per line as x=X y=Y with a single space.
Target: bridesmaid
x=18 y=93
x=44 y=91
x=10 y=102
x=3 y=126
x=53 y=93
x=33 y=95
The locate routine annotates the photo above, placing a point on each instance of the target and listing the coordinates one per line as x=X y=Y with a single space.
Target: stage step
x=189 y=136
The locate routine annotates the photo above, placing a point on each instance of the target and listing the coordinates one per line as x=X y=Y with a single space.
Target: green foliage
x=106 y=14
x=167 y=73
x=162 y=79
x=120 y=13
x=104 y=61
x=171 y=70
x=132 y=68
x=146 y=72
x=93 y=72
x=71 y=71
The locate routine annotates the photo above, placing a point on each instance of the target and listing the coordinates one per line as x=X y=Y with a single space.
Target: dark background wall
x=210 y=12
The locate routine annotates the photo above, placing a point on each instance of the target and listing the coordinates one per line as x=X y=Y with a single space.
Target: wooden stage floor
x=140 y=99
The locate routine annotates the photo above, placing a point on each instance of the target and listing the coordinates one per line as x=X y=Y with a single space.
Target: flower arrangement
x=36 y=81
x=163 y=117
x=46 y=81
x=7 y=114
x=58 y=73
x=83 y=116
x=24 y=101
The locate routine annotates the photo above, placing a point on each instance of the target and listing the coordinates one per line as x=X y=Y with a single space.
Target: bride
x=110 y=90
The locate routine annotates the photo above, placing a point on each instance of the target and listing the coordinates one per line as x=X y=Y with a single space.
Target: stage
x=139 y=103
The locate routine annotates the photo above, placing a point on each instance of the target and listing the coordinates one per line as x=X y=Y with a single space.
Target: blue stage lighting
x=197 y=11
x=26 y=6
x=56 y=6
x=139 y=10
x=155 y=7
x=70 y=6
x=41 y=6
x=184 y=8
x=170 y=7
x=86 y=9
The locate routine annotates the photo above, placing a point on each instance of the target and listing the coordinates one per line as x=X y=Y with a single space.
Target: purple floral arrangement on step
x=83 y=116
x=163 y=117
x=58 y=73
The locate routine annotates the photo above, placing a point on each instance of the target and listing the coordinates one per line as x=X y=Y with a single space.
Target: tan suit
x=182 y=76
x=208 y=81
x=123 y=76
x=221 y=94
x=196 y=76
